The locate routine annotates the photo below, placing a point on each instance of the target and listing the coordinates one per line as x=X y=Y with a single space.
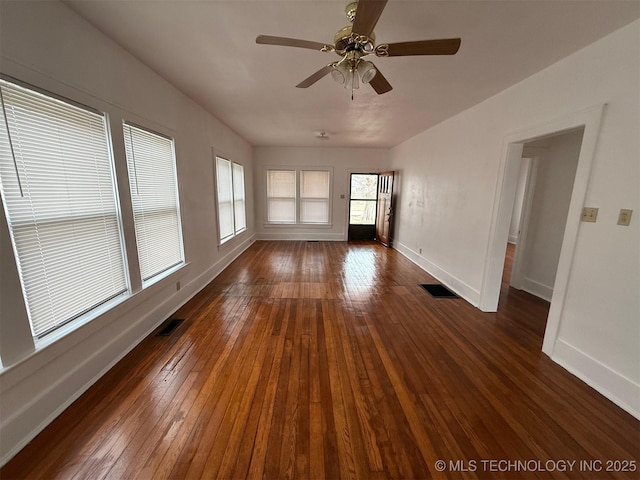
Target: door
x=362 y=206
x=384 y=220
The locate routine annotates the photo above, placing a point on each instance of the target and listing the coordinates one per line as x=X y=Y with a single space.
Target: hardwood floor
x=327 y=360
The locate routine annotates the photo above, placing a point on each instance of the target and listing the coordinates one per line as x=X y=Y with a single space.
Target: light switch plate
x=624 y=218
x=589 y=214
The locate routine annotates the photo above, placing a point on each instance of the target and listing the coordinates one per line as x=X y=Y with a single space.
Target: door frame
x=348 y=216
x=512 y=146
x=389 y=216
x=530 y=163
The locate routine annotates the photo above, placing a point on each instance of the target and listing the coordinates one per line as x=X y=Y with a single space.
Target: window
x=231 y=200
x=238 y=198
x=60 y=201
x=154 y=196
x=314 y=196
x=281 y=196
x=363 y=201
x=311 y=206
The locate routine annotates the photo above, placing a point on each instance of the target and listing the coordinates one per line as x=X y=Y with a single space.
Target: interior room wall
x=342 y=162
x=449 y=180
x=555 y=172
x=514 y=228
x=49 y=46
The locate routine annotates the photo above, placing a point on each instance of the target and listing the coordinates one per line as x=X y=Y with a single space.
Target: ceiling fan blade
x=379 y=83
x=367 y=14
x=293 y=42
x=307 y=82
x=443 y=46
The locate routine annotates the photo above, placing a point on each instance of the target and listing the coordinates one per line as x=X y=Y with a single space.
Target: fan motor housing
x=346 y=41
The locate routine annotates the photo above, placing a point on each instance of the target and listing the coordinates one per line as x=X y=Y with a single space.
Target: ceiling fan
x=354 y=42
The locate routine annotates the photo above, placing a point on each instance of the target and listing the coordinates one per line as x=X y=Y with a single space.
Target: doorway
x=363 y=198
x=547 y=173
x=589 y=121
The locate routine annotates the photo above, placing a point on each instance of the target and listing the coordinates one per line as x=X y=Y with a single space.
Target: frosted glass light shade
x=340 y=72
x=367 y=71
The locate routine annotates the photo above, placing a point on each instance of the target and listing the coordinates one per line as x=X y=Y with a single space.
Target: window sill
x=72 y=326
x=132 y=299
x=161 y=276
x=231 y=238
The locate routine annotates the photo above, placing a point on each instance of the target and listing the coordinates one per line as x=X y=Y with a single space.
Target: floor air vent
x=438 y=290
x=168 y=327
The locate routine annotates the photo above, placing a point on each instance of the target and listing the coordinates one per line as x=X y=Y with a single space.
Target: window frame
x=169 y=270
x=302 y=198
x=295 y=196
x=91 y=312
x=236 y=230
x=370 y=200
x=297 y=169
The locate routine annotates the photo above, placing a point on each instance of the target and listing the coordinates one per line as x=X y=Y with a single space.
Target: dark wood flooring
x=327 y=360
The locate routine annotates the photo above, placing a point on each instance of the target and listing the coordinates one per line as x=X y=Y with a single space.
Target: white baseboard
x=21 y=423
x=470 y=294
x=310 y=236
x=513 y=239
x=620 y=390
x=538 y=289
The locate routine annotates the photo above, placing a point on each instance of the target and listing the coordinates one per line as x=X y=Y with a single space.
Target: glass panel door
x=362 y=206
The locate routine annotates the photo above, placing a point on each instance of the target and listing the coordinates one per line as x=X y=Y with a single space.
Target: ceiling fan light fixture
x=338 y=76
x=358 y=40
x=353 y=79
x=340 y=73
x=366 y=70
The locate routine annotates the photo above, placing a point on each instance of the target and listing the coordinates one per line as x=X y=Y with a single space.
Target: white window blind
x=59 y=197
x=238 y=198
x=231 y=202
x=154 y=195
x=225 y=198
x=314 y=196
x=281 y=196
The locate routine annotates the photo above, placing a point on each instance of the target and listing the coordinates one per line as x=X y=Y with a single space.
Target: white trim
x=227 y=158
x=517 y=268
x=590 y=119
x=309 y=236
x=620 y=390
x=467 y=292
x=300 y=225
x=505 y=191
x=538 y=289
x=297 y=169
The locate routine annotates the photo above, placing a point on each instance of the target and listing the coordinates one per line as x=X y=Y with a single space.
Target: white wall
x=49 y=46
x=342 y=161
x=514 y=228
x=556 y=170
x=449 y=180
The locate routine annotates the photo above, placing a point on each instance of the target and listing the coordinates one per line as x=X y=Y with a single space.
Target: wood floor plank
x=326 y=360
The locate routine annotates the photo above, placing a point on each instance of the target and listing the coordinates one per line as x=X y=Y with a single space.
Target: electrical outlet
x=624 y=218
x=420 y=252
x=589 y=214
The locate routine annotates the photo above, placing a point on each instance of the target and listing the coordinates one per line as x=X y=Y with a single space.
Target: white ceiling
x=207 y=49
